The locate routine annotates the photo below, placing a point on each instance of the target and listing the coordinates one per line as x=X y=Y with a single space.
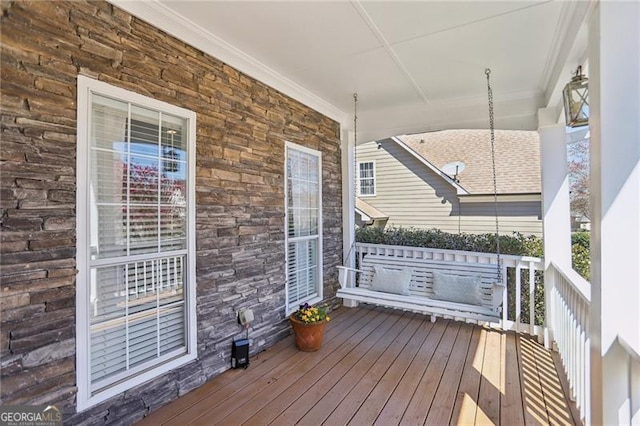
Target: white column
x=614 y=95
x=348 y=204
x=556 y=221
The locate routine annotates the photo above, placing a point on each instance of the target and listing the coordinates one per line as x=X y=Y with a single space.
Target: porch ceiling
x=416 y=66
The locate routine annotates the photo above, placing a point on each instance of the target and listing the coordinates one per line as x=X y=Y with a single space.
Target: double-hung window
x=135 y=230
x=303 y=201
x=367 y=178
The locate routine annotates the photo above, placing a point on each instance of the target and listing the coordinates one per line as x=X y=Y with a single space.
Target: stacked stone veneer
x=242 y=126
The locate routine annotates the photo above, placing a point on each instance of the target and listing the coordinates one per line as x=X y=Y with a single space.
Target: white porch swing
x=421 y=281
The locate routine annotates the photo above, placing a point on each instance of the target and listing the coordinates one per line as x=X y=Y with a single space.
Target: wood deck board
x=555 y=400
x=352 y=402
x=442 y=406
x=312 y=384
x=386 y=367
x=465 y=407
x=236 y=381
x=418 y=408
x=491 y=387
x=535 y=411
x=397 y=404
x=384 y=388
x=511 y=412
x=324 y=405
x=237 y=410
x=354 y=365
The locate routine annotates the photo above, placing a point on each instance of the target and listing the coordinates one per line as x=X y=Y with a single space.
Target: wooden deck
x=386 y=367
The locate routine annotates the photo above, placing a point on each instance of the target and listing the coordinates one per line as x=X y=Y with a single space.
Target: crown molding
x=162 y=17
x=565 y=41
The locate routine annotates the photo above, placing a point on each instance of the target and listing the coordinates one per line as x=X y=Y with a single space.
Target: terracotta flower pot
x=308 y=336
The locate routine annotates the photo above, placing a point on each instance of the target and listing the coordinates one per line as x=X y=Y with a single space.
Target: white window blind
x=304 y=226
x=139 y=270
x=366 y=178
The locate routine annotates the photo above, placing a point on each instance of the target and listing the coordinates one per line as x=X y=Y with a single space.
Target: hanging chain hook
x=487 y=72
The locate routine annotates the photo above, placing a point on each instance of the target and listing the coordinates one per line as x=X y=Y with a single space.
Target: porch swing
x=425 y=281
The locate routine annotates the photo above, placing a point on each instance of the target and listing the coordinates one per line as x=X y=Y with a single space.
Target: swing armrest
x=498 y=290
x=343 y=275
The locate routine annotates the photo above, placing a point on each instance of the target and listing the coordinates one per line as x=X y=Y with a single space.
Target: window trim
x=373 y=163
x=87 y=86
x=290 y=145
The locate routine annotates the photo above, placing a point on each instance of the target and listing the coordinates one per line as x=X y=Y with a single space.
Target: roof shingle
x=517 y=158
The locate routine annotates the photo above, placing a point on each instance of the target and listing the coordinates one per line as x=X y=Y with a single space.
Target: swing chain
x=493 y=166
x=356 y=172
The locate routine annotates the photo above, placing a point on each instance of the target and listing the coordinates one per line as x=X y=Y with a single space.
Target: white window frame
x=288 y=307
x=85 y=399
x=373 y=165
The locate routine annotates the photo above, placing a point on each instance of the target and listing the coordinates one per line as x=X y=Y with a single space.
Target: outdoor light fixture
x=576 y=103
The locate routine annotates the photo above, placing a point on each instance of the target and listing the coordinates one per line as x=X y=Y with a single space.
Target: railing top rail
x=513 y=258
x=627 y=347
x=579 y=284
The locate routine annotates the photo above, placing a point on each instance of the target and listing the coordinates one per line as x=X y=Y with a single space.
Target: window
x=136 y=285
x=303 y=201
x=367 y=178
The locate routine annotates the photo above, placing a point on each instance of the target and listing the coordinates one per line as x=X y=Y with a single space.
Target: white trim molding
x=91 y=394
x=159 y=15
x=291 y=306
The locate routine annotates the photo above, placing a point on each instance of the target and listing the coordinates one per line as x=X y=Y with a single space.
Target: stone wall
x=242 y=126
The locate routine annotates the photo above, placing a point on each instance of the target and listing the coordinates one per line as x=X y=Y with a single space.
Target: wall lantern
x=576 y=100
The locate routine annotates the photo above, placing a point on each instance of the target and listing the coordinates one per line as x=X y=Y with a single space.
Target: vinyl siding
x=412 y=195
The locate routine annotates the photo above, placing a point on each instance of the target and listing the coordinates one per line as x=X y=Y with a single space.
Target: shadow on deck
x=386 y=367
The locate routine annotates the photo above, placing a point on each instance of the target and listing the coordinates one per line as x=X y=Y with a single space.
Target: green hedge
x=516 y=244
x=580 y=254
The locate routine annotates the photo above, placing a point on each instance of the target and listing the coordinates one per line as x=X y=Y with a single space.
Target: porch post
x=614 y=99
x=348 y=205
x=555 y=206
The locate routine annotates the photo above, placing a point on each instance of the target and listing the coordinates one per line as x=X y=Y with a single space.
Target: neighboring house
x=580 y=223
x=412 y=179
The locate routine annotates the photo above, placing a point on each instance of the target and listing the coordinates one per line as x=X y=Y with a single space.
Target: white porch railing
x=518 y=275
x=570 y=301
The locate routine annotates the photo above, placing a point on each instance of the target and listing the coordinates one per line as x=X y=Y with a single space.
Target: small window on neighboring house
x=135 y=251
x=303 y=238
x=367 y=178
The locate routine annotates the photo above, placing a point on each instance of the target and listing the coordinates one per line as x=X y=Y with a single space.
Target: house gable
x=415 y=195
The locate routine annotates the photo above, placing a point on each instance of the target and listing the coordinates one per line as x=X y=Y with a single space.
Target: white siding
x=414 y=196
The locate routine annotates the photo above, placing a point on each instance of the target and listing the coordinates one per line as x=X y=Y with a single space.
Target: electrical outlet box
x=245 y=317
x=240 y=353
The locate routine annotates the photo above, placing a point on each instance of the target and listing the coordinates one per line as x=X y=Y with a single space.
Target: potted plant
x=308 y=325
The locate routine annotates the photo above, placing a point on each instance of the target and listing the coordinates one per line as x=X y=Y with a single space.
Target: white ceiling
x=416 y=66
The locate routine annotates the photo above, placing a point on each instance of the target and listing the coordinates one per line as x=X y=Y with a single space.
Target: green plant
x=580 y=254
x=516 y=244
x=311 y=314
